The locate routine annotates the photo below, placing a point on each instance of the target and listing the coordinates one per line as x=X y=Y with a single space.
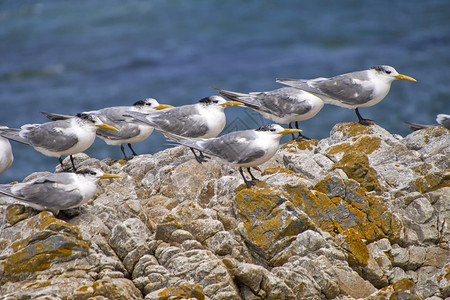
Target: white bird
x=57 y=191
x=351 y=90
x=283 y=106
x=442 y=120
x=129 y=132
x=6 y=155
x=205 y=119
x=61 y=137
x=241 y=149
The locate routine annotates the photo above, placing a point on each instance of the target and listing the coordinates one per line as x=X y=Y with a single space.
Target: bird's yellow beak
x=404 y=77
x=232 y=103
x=290 y=130
x=163 y=106
x=108 y=127
x=107 y=175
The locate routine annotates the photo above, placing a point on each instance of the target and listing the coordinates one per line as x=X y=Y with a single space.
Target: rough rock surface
x=361 y=214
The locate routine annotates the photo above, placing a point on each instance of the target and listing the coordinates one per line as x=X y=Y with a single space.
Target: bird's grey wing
x=345 y=88
x=49 y=136
x=184 y=121
x=110 y=115
x=51 y=191
x=56 y=117
x=416 y=126
x=282 y=102
x=235 y=147
x=116 y=116
x=303 y=84
x=342 y=87
x=126 y=131
x=14 y=135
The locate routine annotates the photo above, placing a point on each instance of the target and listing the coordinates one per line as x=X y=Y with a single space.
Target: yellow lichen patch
x=431 y=182
x=268 y=215
x=17 y=212
x=295 y=145
x=353 y=129
x=400 y=289
x=38 y=284
x=403 y=285
x=422 y=169
x=52 y=239
x=275 y=170
x=356 y=166
x=352 y=242
x=363 y=145
x=182 y=291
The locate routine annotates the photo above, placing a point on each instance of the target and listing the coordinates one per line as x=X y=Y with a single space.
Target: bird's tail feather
x=56 y=117
x=416 y=126
x=13 y=135
x=241 y=97
x=141 y=117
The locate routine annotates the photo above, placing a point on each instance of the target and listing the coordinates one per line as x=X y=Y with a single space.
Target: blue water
x=73 y=56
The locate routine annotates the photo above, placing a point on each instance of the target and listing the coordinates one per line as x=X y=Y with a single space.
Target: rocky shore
x=360 y=214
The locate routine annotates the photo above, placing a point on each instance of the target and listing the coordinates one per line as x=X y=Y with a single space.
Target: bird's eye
x=387 y=72
x=272 y=129
x=215 y=101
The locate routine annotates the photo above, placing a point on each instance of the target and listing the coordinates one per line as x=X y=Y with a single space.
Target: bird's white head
x=96 y=173
x=217 y=102
x=276 y=130
x=389 y=73
x=94 y=120
x=150 y=104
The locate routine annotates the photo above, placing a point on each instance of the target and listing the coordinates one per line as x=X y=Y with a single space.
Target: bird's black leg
x=300 y=135
x=200 y=158
x=61 y=162
x=73 y=164
x=290 y=127
x=362 y=121
x=204 y=157
x=132 y=151
x=248 y=183
x=123 y=151
x=253 y=177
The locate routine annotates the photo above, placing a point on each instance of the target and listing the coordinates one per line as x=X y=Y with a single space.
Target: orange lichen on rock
x=432 y=181
x=53 y=239
x=357 y=167
x=295 y=145
x=362 y=145
x=268 y=215
x=182 y=291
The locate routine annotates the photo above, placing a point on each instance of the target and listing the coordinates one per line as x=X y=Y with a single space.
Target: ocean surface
x=73 y=56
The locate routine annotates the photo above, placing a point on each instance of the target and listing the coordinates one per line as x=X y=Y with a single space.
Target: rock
x=360 y=214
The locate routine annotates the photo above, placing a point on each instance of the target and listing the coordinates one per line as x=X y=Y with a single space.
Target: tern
x=205 y=119
x=283 y=106
x=241 y=149
x=6 y=155
x=129 y=133
x=442 y=120
x=351 y=90
x=57 y=191
x=62 y=137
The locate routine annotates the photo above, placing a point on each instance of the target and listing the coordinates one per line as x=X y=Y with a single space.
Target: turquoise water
x=73 y=56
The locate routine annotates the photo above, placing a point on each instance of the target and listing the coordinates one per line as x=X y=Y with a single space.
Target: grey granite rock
x=360 y=214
